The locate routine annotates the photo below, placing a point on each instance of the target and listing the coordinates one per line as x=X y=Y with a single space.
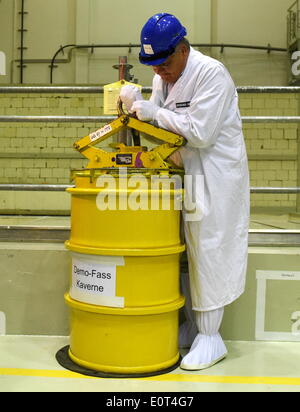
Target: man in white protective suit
x=194 y=96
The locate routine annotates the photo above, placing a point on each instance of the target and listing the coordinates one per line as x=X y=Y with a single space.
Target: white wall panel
x=60 y=22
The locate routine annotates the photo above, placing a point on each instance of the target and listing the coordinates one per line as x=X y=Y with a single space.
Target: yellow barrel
x=124 y=295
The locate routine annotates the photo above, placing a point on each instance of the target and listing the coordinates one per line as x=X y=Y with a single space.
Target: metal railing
x=100 y=89
x=105 y=119
x=62 y=188
x=34 y=188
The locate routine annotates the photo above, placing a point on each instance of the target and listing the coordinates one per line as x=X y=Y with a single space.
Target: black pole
x=22 y=42
x=22 y=48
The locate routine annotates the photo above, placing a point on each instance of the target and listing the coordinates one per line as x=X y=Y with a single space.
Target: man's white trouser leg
x=208 y=347
x=188 y=330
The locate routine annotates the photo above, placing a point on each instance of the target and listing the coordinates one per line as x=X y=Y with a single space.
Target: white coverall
x=202 y=106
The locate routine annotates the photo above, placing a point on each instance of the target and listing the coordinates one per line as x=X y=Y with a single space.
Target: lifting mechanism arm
x=130 y=156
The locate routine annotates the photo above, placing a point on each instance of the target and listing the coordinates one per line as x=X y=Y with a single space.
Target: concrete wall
x=59 y=22
x=35 y=276
x=253 y=22
x=7 y=33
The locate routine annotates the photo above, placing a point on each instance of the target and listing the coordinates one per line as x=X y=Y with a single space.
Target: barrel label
x=94 y=281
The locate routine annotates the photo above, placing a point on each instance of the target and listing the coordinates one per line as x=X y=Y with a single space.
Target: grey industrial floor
x=28 y=364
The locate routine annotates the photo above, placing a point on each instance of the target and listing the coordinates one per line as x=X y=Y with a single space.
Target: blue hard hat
x=159 y=37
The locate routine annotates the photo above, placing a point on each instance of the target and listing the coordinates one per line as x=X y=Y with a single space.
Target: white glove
x=145 y=110
x=129 y=94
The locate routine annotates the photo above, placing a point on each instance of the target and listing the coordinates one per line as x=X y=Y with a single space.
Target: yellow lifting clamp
x=129 y=156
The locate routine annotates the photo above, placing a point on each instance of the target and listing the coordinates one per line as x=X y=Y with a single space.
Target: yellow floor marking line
x=42 y=373
x=249 y=380
x=258 y=380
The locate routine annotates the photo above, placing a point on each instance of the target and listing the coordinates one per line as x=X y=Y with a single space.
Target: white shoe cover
x=205 y=352
x=187 y=333
x=208 y=347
